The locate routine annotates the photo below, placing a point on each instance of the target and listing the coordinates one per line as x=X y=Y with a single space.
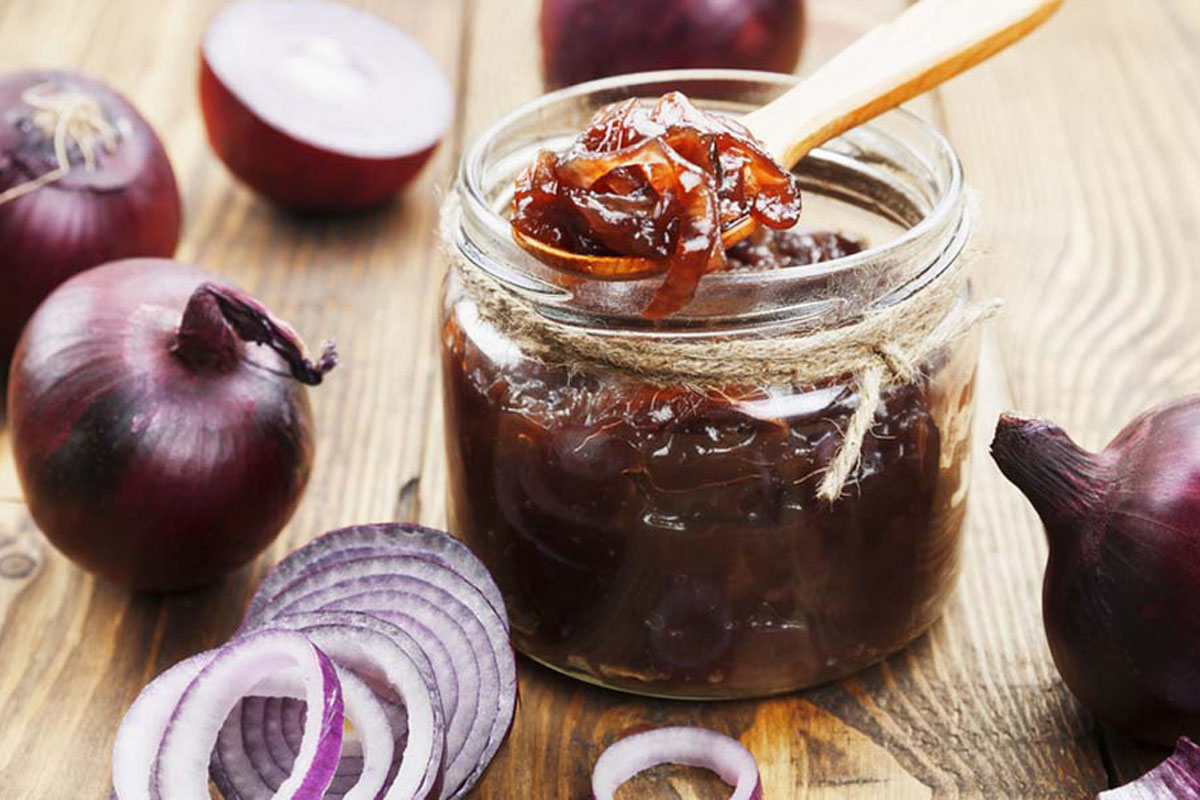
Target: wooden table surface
x=1081 y=149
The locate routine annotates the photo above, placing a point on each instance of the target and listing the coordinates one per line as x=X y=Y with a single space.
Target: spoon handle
x=931 y=42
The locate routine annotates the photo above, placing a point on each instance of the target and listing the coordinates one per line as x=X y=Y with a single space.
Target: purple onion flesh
x=691 y=747
x=164 y=743
x=363 y=623
x=1177 y=778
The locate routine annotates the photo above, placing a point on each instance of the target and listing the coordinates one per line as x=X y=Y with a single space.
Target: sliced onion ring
x=441 y=629
x=280 y=721
x=177 y=720
x=244 y=767
x=239 y=767
x=142 y=728
x=350 y=585
x=397 y=667
x=469 y=739
x=382 y=539
x=367 y=623
x=379 y=650
x=461 y=672
x=497 y=677
x=691 y=747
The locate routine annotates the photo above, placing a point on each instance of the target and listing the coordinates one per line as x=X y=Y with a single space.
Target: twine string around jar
x=885 y=347
x=893 y=366
x=70 y=118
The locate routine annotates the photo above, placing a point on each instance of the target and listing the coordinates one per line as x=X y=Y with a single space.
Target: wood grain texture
x=1091 y=228
x=1079 y=145
x=76 y=651
x=920 y=48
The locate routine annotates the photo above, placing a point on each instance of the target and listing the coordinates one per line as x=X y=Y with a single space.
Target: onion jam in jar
x=654 y=496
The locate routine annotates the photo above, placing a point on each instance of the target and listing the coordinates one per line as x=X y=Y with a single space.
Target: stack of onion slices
x=397 y=629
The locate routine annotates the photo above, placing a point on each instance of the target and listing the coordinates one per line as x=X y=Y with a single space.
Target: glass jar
x=666 y=538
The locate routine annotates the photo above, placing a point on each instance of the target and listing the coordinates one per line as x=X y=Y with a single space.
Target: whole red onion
x=160 y=423
x=585 y=39
x=115 y=198
x=1121 y=599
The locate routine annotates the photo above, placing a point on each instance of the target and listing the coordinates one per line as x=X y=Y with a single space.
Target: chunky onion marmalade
x=658 y=182
x=662 y=531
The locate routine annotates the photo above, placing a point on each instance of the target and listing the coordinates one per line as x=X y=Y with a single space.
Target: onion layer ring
x=692 y=747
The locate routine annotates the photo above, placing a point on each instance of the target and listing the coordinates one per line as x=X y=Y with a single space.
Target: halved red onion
x=349 y=584
x=692 y=747
x=179 y=715
x=382 y=539
x=319 y=106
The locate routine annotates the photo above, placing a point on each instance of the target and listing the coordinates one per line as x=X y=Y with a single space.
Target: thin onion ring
x=692 y=747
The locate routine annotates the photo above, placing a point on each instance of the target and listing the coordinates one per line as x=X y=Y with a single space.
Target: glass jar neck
x=895 y=181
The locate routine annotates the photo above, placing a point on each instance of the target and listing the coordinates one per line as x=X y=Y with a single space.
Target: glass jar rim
x=488 y=242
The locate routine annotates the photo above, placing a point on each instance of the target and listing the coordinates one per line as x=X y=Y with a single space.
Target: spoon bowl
x=619 y=267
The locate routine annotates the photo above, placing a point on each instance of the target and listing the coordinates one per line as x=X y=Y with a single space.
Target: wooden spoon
x=931 y=42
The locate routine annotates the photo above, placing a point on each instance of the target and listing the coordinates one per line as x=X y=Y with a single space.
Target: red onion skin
x=136 y=464
x=586 y=39
x=291 y=173
x=1177 y=778
x=130 y=207
x=1121 y=598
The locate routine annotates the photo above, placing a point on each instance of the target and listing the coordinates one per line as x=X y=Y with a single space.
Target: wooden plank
x=77 y=651
x=1089 y=186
